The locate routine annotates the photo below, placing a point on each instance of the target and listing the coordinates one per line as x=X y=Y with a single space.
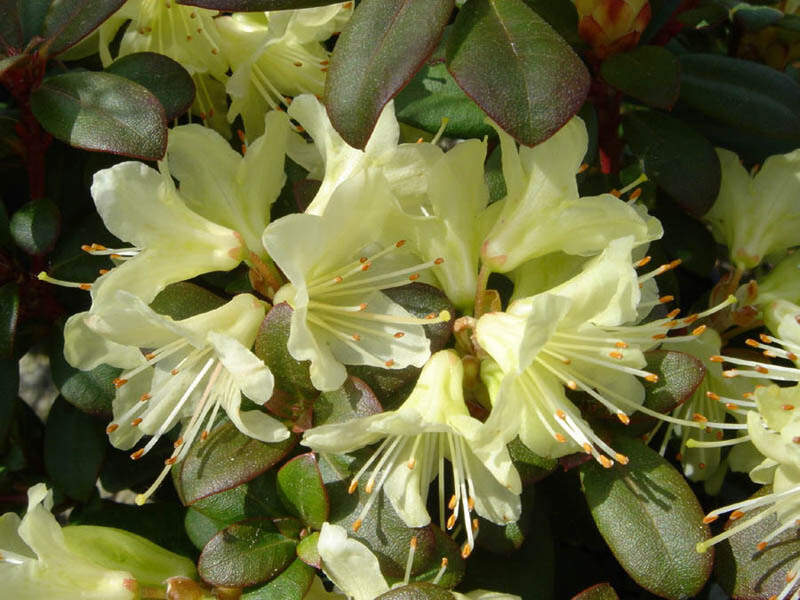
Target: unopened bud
x=612 y=26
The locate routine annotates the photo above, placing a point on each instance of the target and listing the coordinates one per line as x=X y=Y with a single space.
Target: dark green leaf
x=9 y=386
x=417 y=591
x=662 y=12
x=291 y=584
x=201 y=528
x=748 y=573
x=516 y=67
x=753 y=18
x=681 y=161
x=433 y=95
x=562 y=16
x=307 y=550
x=378 y=52
x=355 y=399
x=742 y=94
x=300 y=487
x=256 y=498
x=531 y=466
x=226 y=459
x=651 y=74
x=74 y=448
x=9 y=316
x=91 y=391
x=256 y=5
x=35 y=226
x=165 y=78
x=291 y=376
x=651 y=520
x=183 y=300
x=601 y=591
x=245 y=554
x=104 y=112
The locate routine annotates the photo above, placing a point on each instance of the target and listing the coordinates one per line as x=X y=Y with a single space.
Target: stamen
x=43 y=276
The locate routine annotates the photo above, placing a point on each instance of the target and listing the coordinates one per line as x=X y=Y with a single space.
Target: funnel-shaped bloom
x=185 y=372
x=543 y=211
x=337 y=264
x=431 y=425
x=756 y=214
x=36 y=561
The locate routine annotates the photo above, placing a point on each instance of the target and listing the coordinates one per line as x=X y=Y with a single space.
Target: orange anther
x=138 y=454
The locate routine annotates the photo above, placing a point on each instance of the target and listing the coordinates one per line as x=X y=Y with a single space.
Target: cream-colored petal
x=350 y=564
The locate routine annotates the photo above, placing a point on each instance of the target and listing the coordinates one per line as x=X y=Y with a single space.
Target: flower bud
x=612 y=26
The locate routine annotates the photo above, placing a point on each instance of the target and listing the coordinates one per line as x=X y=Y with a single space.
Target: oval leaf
x=651 y=74
x=680 y=160
x=101 y=111
x=167 y=79
x=601 y=591
x=651 y=520
x=245 y=554
x=292 y=584
x=307 y=550
x=256 y=498
x=417 y=591
x=742 y=94
x=301 y=490
x=226 y=459
x=516 y=67
x=256 y=5
x=746 y=572
x=35 y=226
x=74 y=449
x=380 y=49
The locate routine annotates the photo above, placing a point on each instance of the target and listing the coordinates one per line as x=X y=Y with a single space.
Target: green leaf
x=743 y=570
x=651 y=520
x=378 y=52
x=9 y=386
x=417 y=591
x=225 y=460
x=531 y=466
x=562 y=16
x=256 y=5
x=307 y=550
x=91 y=391
x=291 y=584
x=651 y=74
x=743 y=95
x=256 y=498
x=165 y=78
x=245 y=554
x=103 y=112
x=301 y=489
x=355 y=399
x=681 y=161
x=753 y=18
x=201 y=528
x=433 y=95
x=74 y=449
x=35 y=226
x=61 y=23
x=9 y=317
x=183 y=300
x=601 y=591
x=291 y=376
x=516 y=67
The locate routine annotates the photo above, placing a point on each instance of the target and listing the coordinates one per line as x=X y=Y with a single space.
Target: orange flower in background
x=612 y=26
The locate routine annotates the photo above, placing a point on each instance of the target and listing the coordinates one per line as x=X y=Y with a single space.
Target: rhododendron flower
x=431 y=425
x=543 y=212
x=756 y=214
x=337 y=264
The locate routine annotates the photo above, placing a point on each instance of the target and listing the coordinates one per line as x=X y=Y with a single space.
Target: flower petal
x=350 y=564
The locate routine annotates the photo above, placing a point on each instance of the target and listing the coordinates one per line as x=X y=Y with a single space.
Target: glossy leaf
x=301 y=489
x=355 y=399
x=307 y=550
x=256 y=498
x=601 y=591
x=60 y=23
x=680 y=160
x=291 y=584
x=226 y=459
x=165 y=78
x=378 y=52
x=245 y=554
x=562 y=16
x=651 y=520
x=748 y=573
x=417 y=591
x=651 y=74
x=256 y=5
x=743 y=95
x=35 y=226
x=104 y=112
x=200 y=528
x=516 y=68
x=74 y=449
x=9 y=317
